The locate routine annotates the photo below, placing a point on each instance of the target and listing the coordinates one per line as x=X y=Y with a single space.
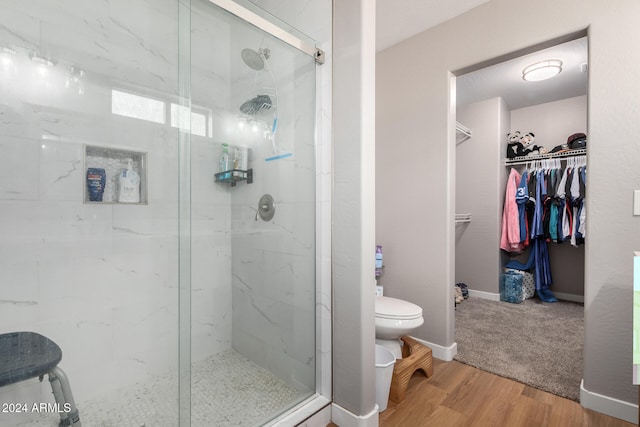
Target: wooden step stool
x=415 y=357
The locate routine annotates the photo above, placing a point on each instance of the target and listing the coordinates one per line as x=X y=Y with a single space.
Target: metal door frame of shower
x=270 y=28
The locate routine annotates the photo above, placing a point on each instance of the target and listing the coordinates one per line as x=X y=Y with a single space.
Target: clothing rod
x=582 y=153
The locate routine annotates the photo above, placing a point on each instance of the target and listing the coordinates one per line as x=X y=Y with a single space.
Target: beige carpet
x=535 y=343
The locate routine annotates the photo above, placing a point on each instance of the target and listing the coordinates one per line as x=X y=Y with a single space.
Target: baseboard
x=568 y=297
x=320 y=419
x=496 y=297
x=346 y=418
x=608 y=405
x=439 y=352
x=484 y=295
x=311 y=412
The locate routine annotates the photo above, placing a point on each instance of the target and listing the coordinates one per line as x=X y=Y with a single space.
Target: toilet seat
x=396 y=309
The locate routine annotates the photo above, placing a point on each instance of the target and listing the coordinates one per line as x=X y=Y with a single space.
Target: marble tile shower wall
x=101 y=279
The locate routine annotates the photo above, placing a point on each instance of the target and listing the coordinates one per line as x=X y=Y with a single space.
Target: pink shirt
x=510 y=240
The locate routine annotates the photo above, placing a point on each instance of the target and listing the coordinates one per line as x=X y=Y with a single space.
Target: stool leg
x=62 y=392
x=57 y=393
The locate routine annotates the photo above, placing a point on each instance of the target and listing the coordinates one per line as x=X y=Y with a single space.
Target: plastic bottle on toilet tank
x=378 y=260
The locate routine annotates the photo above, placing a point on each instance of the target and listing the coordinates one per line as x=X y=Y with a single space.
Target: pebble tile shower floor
x=227 y=390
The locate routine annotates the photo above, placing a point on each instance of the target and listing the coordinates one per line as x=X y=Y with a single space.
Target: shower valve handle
x=263 y=208
x=266 y=208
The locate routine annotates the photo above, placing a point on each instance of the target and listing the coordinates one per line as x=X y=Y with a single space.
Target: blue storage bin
x=511 y=287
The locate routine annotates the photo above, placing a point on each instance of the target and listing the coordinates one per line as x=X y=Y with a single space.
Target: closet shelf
x=528 y=159
x=463 y=218
x=462 y=133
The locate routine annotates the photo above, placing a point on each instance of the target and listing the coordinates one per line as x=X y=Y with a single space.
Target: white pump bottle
x=128 y=184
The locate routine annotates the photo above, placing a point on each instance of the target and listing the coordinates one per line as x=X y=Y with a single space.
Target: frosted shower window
x=137 y=107
x=180 y=116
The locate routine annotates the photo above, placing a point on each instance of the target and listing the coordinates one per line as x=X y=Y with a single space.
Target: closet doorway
x=493 y=102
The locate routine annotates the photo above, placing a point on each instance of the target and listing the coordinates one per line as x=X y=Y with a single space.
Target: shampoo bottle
x=128 y=184
x=236 y=161
x=241 y=161
x=224 y=162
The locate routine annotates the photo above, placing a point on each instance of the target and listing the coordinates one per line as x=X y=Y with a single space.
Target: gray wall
x=478 y=191
x=353 y=208
x=415 y=208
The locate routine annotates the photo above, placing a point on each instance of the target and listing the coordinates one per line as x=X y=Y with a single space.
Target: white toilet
x=395 y=318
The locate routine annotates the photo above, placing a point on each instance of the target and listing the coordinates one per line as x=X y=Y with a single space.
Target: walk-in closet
x=492 y=104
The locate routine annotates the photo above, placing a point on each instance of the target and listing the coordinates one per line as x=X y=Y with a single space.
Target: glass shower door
x=252 y=220
x=86 y=92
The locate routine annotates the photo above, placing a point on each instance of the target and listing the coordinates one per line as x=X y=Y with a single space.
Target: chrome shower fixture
x=257 y=105
x=255 y=59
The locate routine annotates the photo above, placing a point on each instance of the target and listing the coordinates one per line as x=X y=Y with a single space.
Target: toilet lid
x=393 y=308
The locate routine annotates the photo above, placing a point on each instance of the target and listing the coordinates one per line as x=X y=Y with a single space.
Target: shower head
x=255 y=59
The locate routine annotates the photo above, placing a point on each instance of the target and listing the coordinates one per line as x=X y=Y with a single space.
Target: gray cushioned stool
x=25 y=355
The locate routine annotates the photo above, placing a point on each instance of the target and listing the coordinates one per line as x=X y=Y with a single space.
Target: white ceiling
x=505 y=79
x=394 y=24
x=399 y=20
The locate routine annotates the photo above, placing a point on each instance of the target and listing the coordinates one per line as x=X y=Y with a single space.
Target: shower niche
x=103 y=166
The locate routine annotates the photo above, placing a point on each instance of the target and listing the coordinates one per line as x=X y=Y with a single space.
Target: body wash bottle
x=128 y=184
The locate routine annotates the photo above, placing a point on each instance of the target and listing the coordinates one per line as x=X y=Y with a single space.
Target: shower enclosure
x=193 y=302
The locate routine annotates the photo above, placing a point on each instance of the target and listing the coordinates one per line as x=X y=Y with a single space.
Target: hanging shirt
x=583 y=218
x=553 y=205
x=575 y=185
x=522 y=196
x=574 y=225
x=510 y=239
x=583 y=211
x=560 y=190
x=553 y=221
x=536 y=227
x=567 y=222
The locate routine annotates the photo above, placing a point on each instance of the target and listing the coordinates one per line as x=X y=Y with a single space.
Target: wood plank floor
x=460 y=395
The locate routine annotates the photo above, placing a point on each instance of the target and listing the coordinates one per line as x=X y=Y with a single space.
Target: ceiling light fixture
x=542 y=70
x=75 y=79
x=6 y=56
x=41 y=60
x=7 y=50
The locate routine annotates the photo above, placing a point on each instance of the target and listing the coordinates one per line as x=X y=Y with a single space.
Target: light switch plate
x=636 y=202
